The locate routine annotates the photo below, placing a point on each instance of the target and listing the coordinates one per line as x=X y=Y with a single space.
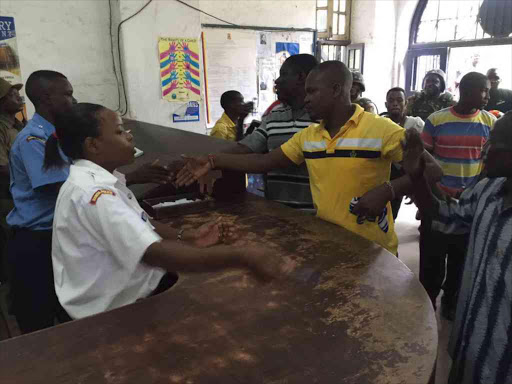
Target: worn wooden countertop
x=353 y=313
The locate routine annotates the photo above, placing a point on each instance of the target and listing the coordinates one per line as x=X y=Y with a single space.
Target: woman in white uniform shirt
x=106 y=251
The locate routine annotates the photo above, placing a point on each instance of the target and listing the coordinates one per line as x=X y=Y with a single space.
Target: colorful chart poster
x=179 y=69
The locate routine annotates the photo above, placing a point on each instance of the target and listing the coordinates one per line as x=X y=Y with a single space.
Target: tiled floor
x=408 y=238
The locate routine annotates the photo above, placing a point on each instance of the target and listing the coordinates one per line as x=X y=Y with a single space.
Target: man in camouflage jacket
x=432 y=98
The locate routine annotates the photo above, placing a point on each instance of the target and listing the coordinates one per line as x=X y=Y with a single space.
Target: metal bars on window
x=450 y=21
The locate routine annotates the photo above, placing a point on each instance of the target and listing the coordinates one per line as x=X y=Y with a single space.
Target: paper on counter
x=138 y=152
x=171 y=203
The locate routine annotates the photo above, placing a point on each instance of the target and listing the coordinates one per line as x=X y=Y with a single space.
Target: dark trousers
x=396 y=203
x=440 y=252
x=6 y=205
x=395 y=206
x=35 y=303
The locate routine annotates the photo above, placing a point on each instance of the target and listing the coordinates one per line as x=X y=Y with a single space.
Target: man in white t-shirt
x=396 y=103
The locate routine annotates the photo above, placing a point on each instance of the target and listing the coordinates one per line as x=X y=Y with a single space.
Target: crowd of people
x=75 y=242
x=457 y=151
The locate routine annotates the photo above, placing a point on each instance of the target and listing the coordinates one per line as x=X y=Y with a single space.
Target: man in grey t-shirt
x=289 y=186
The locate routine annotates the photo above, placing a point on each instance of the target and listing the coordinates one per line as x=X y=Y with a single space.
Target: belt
x=23 y=229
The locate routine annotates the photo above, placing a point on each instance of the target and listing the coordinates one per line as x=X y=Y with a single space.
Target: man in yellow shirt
x=230 y=125
x=348 y=155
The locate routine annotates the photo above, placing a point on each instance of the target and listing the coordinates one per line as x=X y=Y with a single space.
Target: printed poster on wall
x=9 y=58
x=285 y=50
x=179 y=69
x=187 y=113
x=264 y=45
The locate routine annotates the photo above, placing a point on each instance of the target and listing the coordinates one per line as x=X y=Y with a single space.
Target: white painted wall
x=383 y=26
x=373 y=23
x=140 y=57
x=266 y=13
x=72 y=36
x=66 y=36
x=404 y=13
x=172 y=19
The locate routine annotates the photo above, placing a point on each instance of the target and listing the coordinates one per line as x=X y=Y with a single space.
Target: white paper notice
x=306 y=43
x=265 y=45
x=231 y=65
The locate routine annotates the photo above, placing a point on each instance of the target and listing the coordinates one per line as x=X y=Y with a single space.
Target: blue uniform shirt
x=33 y=205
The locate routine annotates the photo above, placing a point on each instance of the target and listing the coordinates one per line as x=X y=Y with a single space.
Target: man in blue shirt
x=31 y=186
x=35 y=192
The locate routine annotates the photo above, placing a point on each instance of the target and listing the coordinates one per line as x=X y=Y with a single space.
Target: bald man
x=348 y=156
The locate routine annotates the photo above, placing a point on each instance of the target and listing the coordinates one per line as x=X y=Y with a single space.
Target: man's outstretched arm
x=197 y=167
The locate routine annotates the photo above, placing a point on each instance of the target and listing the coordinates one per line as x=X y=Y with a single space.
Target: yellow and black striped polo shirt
x=356 y=160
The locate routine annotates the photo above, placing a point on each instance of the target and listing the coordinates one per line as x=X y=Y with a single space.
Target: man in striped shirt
x=481 y=341
x=455 y=136
x=289 y=186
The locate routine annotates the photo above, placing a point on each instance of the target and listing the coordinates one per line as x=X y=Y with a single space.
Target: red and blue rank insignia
x=99 y=193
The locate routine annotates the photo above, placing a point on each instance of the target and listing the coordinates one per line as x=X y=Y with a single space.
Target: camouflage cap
x=357 y=77
x=442 y=77
x=5 y=87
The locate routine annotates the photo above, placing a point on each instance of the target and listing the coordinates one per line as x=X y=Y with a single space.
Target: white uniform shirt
x=100 y=234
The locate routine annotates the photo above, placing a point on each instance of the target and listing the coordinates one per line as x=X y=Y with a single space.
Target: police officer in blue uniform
x=34 y=192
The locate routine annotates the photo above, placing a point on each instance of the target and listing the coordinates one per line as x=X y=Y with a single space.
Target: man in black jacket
x=501 y=99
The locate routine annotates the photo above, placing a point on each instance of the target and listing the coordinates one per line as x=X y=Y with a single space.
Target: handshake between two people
x=173 y=173
x=200 y=169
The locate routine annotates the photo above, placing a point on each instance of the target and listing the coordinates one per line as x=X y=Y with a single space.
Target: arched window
x=448 y=35
x=449 y=21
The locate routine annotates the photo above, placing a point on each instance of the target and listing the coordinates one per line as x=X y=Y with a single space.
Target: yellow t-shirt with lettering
x=356 y=160
x=224 y=128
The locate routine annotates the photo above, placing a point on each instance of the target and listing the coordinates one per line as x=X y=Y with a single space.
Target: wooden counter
x=352 y=313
